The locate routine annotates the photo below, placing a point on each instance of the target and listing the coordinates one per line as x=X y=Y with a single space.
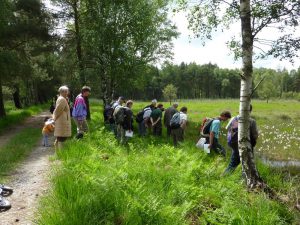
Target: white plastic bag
x=200 y=143
x=129 y=133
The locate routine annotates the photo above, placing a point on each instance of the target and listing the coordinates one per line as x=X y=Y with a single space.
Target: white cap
x=154 y=101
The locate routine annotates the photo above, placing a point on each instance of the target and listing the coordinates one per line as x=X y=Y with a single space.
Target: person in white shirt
x=178 y=133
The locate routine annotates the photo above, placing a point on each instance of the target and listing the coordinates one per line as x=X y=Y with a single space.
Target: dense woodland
x=111 y=46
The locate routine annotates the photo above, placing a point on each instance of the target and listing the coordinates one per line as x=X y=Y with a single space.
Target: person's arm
x=211 y=139
x=183 y=124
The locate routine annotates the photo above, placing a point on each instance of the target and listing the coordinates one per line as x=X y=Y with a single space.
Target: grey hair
x=154 y=101
x=63 y=89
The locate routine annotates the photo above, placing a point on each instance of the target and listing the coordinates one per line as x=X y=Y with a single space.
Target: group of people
x=150 y=120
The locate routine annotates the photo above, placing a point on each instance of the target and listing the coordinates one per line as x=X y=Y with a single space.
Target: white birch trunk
x=247 y=158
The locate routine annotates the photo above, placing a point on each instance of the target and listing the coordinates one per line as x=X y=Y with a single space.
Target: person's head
x=225 y=115
x=183 y=109
x=175 y=105
x=129 y=104
x=154 y=102
x=46 y=118
x=160 y=106
x=63 y=91
x=85 y=91
x=121 y=100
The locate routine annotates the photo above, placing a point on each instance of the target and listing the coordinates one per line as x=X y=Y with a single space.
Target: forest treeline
x=111 y=46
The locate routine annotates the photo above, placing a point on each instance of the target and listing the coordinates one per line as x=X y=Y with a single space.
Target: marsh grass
x=151 y=182
x=17 y=149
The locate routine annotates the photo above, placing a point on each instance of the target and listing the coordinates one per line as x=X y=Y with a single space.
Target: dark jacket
x=168 y=115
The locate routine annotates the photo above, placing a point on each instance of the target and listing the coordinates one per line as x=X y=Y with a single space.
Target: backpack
x=232 y=136
x=120 y=115
x=205 y=127
x=175 y=121
x=108 y=113
x=139 y=116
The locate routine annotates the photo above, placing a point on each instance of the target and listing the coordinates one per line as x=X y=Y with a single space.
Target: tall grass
x=150 y=182
x=15 y=116
x=17 y=149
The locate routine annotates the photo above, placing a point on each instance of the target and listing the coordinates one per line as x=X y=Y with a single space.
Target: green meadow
x=150 y=182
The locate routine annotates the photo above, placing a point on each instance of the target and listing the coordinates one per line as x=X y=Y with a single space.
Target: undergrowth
x=151 y=182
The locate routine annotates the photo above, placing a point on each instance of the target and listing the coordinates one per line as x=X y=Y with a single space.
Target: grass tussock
x=150 y=182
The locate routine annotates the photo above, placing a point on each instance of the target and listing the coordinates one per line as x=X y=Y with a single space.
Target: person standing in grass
x=232 y=139
x=214 y=133
x=79 y=112
x=169 y=112
x=179 y=126
x=112 y=122
x=62 y=118
x=156 y=118
x=146 y=123
x=127 y=124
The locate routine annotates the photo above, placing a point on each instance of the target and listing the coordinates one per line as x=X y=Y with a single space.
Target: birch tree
x=255 y=16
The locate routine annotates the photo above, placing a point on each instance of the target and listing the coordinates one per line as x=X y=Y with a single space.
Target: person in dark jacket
x=127 y=125
x=156 y=118
x=168 y=116
x=232 y=139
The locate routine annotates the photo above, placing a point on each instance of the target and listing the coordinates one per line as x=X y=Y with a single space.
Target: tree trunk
x=245 y=149
x=78 y=43
x=16 y=97
x=2 y=109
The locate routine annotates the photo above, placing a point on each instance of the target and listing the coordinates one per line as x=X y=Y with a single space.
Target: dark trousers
x=177 y=135
x=169 y=131
x=157 y=129
x=235 y=157
x=218 y=148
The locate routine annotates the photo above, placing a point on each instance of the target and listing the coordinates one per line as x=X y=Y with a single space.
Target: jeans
x=45 y=140
x=235 y=157
x=218 y=148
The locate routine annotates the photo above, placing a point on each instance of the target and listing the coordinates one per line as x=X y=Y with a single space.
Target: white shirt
x=183 y=117
x=147 y=113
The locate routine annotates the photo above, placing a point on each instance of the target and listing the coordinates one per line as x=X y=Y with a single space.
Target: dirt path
x=30 y=180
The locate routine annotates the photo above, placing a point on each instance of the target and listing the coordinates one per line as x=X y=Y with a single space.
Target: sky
x=188 y=49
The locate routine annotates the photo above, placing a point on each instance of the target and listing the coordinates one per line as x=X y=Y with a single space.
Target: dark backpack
x=120 y=115
x=108 y=113
x=139 y=117
x=232 y=136
x=175 y=121
x=205 y=127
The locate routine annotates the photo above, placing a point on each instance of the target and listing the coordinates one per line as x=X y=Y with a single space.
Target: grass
x=150 y=182
x=17 y=149
x=16 y=116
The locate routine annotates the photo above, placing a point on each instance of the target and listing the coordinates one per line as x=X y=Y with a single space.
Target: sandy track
x=30 y=180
